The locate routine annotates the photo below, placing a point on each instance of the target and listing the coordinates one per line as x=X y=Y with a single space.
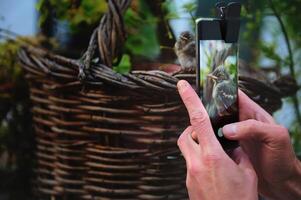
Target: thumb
x=255 y=130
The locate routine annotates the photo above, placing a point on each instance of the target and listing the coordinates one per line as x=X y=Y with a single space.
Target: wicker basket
x=103 y=135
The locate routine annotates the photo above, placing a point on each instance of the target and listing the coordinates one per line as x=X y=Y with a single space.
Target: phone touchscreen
x=218 y=63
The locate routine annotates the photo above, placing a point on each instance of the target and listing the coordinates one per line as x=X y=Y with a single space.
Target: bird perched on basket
x=223 y=94
x=185 y=50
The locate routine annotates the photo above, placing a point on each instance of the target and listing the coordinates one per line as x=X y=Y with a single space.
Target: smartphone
x=217 y=74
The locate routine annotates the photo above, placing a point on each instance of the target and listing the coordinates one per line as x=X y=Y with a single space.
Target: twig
x=166 y=47
x=192 y=17
x=285 y=34
x=291 y=58
x=15 y=37
x=8 y=32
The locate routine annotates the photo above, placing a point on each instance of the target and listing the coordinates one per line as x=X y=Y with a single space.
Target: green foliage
x=10 y=70
x=269 y=51
x=4 y=132
x=124 y=65
x=172 y=14
x=10 y=73
x=142 y=40
x=296 y=137
x=16 y=135
x=254 y=11
x=288 y=12
x=190 y=8
x=171 y=10
x=76 y=13
x=253 y=19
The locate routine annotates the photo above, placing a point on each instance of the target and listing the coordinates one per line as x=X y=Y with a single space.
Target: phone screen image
x=218 y=63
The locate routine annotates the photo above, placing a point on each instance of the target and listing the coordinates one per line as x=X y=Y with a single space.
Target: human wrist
x=289 y=189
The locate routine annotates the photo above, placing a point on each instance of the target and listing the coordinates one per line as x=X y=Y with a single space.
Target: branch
x=291 y=58
x=9 y=33
x=285 y=34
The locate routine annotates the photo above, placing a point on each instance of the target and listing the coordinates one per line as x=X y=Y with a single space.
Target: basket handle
x=109 y=37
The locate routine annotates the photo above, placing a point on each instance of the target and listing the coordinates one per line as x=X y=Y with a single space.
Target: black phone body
x=217 y=74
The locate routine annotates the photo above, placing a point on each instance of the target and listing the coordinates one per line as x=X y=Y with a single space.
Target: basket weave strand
x=108 y=140
x=104 y=135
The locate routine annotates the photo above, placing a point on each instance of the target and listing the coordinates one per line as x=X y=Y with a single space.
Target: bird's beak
x=212 y=77
x=184 y=38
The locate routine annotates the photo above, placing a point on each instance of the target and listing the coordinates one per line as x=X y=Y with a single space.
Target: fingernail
x=220 y=133
x=182 y=85
x=194 y=135
x=230 y=129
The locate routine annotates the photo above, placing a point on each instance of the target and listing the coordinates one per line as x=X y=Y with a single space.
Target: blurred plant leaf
x=295 y=132
x=76 y=13
x=269 y=50
x=172 y=15
x=16 y=134
x=190 y=7
x=124 y=66
x=142 y=39
x=253 y=12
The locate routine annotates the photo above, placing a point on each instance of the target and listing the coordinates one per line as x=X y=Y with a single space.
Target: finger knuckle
x=187 y=97
x=250 y=124
x=282 y=133
x=211 y=159
x=194 y=169
x=198 y=117
x=251 y=175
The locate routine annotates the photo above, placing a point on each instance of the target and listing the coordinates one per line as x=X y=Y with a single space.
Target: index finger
x=199 y=118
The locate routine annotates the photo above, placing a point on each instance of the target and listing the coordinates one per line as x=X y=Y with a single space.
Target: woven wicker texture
x=104 y=135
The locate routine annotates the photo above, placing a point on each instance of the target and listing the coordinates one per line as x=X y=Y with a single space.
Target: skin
x=211 y=173
x=269 y=148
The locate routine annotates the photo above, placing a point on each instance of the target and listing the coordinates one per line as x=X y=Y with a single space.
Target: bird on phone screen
x=224 y=94
x=220 y=56
x=185 y=50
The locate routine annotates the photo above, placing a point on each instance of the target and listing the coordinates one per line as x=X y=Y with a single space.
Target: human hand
x=269 y=149
x=211 y=173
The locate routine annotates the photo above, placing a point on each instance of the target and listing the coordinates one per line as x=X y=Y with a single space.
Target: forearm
x=290 y=189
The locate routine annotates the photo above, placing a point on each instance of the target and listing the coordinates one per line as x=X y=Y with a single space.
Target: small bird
x=185 y=50
x=224 y=94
